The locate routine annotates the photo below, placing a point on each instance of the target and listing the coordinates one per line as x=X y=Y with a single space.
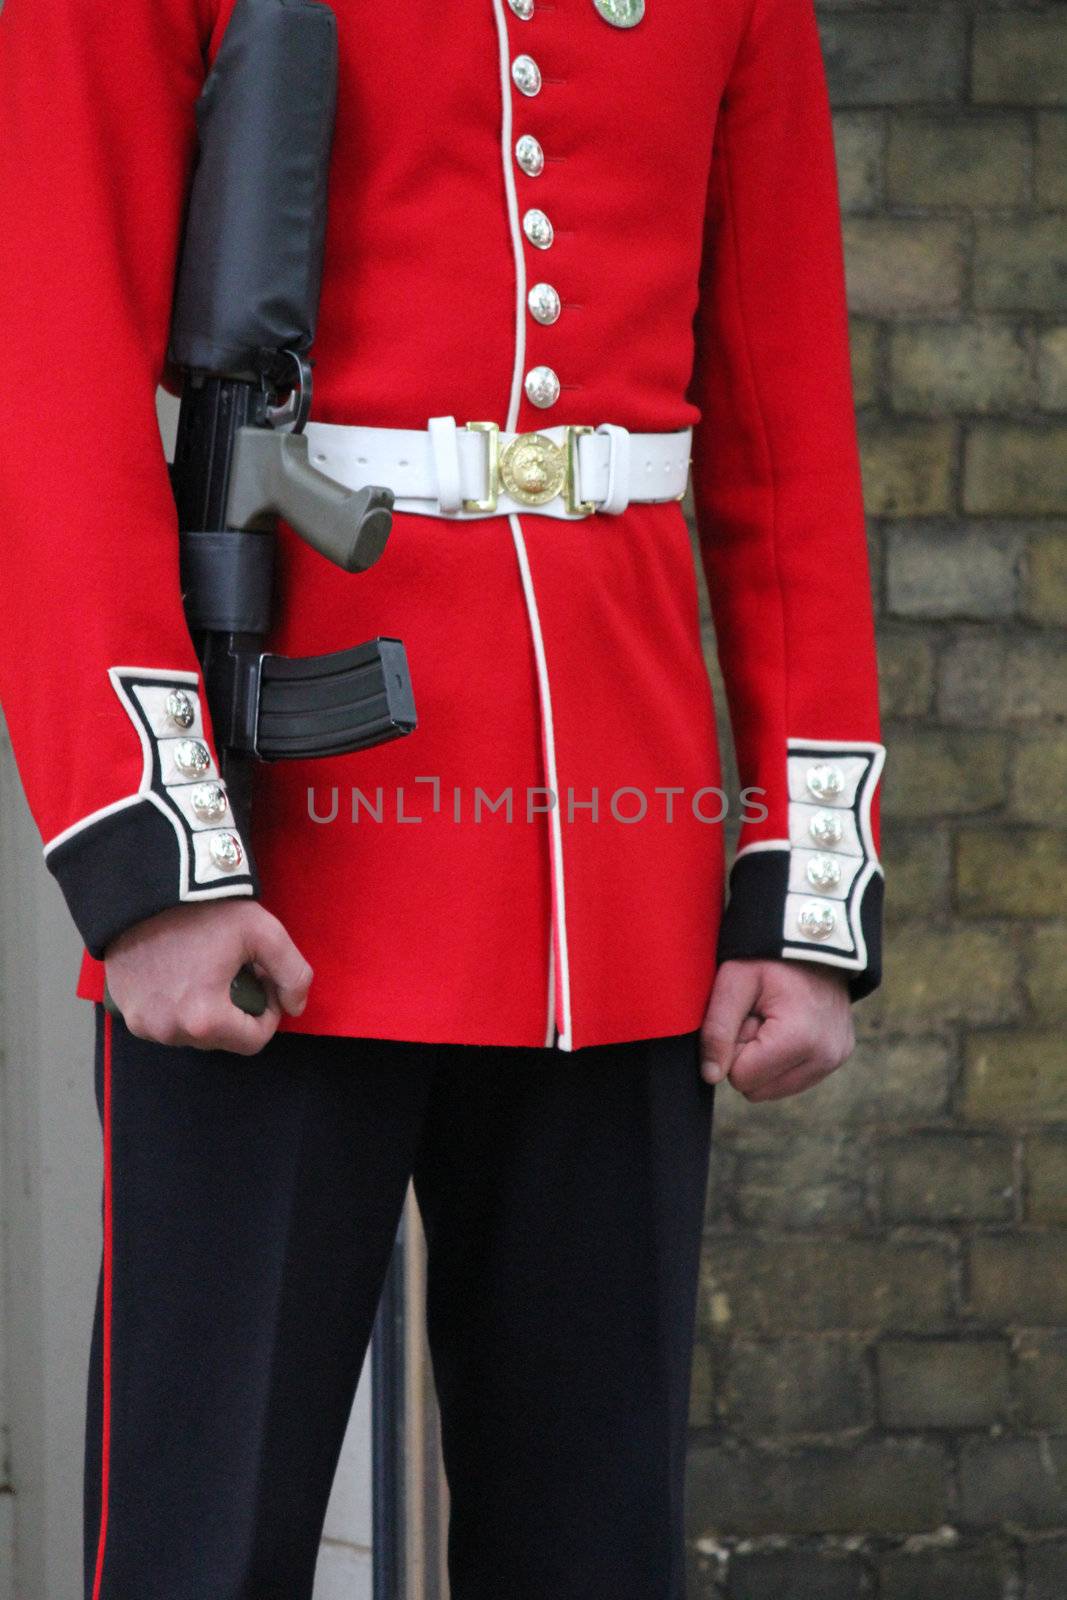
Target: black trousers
x=250 y=1210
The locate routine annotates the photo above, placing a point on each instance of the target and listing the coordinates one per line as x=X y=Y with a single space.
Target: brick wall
x=880 y=1386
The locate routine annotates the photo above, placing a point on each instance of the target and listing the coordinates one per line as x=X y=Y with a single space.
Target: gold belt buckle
x=492 y=465
x=532 y=469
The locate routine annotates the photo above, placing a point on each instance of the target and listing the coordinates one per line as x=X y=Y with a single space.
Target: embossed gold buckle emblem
x=532 y=469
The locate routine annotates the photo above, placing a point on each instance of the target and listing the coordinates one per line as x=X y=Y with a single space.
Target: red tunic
x=689 y=179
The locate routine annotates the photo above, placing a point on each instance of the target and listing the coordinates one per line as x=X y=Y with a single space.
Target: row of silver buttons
x=541 y=383
x=208 y=799
x=825 y=783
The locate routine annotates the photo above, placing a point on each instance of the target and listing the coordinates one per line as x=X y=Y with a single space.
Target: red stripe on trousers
x=106 y=1422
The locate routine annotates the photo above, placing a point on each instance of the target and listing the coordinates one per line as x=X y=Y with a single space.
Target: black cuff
x=174 y=841
x=754 y=923
x=129 y=865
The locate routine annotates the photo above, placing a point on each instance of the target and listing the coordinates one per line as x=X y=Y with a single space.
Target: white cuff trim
x=166 y=711
x=832 y=856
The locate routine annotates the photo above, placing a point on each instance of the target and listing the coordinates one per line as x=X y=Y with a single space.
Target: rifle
x=243 y=320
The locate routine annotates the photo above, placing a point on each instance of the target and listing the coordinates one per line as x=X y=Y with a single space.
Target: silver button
x=825 y=781
x=823 y=872
x=826 y=828
x=529 y=155
x=526 y=74
x=226 y=851
x=817 y=920
x=543 y=302
x=523 y=9
x=621 y=13
x=180 y=709
x=537 y=228
x=209 y=802
x=542 y=386
x=192 y=757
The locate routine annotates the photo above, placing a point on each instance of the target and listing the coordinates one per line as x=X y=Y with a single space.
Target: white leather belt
x=475 y=470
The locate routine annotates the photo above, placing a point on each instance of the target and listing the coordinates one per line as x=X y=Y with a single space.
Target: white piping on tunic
x=762 y=844
x=562 y=1039
x=554 y=822
x=513 y=218
x=92 y=818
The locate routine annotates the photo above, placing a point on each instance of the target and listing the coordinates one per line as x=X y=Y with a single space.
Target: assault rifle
x=243 y=321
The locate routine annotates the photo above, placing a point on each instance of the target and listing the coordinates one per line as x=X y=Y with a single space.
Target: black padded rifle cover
x=251 y=263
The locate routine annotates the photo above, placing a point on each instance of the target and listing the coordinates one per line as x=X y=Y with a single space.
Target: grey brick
x=859 y=141
x=1046 y=1175
x=1020 y=57
x=1052 y=368
x=1021 y=1481
x=972 y=367
x=944 y=772
x=1046 y=1571
x=961 y=974
x=1016 y=1076
x=1046 y=972
x=954 y=160
x=996 y=678
x=947 y=1177
x=897 y=266
x=1039 y=777
x=908 y=466
x=798 y=1574
x=1015 y=468
x=943 y=1383
x=817 y=1180
x=953 y=572
x=1041 y=1381
x=796 y=1386
x=865 y=336
x=1021 y=265
x=906 y=672
x=874 y=60
x=884 y=1487
x=1045 y=598
x=803 y=1285
x=1011 y=872
x=1051 y=158
x=1020 y=1279
x=917 y=870
x=961 y=1572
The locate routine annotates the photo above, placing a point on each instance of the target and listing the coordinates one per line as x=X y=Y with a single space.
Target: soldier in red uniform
x=574 y=246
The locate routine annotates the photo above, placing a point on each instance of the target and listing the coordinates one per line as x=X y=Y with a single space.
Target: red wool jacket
x=689 y=180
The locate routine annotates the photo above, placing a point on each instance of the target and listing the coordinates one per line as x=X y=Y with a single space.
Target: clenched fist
x=775 y=1028
x=170 y=975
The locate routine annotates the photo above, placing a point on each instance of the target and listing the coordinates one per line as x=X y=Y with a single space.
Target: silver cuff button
x=825 y=781
x=817 y=920
x=826 y=828
x=192 y=758
x=209 y=802
x=226 y=851
x=823 y=872
x=180 y=709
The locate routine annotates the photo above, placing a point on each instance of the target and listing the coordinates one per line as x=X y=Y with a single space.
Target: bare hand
x=170 y=975
x=775 y=1028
